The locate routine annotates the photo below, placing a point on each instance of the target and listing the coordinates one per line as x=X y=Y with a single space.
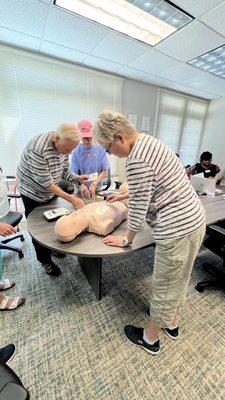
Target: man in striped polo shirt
x=44 y=162
x=161 y=195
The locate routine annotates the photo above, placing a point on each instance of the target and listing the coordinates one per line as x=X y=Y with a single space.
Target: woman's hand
x=84 y=191
x=6 y=229
x=113 y=197
x=77 y=203
x=116 y=241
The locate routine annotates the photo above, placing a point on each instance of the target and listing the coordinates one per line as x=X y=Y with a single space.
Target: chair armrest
x=13 y=196
x=216 y=229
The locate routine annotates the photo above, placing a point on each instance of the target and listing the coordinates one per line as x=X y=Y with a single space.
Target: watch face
x=125 y=241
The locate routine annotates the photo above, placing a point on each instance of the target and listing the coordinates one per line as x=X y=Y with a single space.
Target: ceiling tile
x=215 y=19
x=190 y=42
x=181 y=88
x=133 y=73
x=102 y=64
x=154 y=62
x=197 y=8
x=19 y=39
x=24 y=16
x=209 y=83
x=62 y=52
x=120 y=49
x=182 y=72
x=67 y=29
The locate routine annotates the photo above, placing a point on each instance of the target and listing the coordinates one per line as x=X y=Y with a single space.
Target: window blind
x=37 y=93
x=180 y=123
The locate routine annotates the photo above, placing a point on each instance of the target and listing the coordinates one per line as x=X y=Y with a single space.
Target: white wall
x=214 y=134
x=140 y=99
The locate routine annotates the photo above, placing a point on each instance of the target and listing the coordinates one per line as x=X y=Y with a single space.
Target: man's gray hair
x=68 y=131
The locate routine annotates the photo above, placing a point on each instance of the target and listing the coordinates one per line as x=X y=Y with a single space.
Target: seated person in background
x=7 y=303
x=98 y=217
x=89 y=158
x=205 y=166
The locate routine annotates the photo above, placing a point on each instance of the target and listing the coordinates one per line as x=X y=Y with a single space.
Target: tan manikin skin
x=99 y=217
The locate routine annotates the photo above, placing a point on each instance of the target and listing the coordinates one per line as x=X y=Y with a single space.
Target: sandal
x=11 y=303
x=6 y=284
x=52 y=269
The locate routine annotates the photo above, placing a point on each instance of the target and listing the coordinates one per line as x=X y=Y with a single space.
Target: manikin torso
x=99 y=217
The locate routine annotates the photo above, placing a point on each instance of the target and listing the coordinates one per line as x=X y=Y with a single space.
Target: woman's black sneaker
x=135 y=336
x=52 y=269
x=172 y=333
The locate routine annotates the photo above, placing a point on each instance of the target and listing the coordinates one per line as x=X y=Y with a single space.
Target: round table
x=87 y=246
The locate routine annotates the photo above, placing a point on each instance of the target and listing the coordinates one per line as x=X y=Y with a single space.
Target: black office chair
x=11 y=387
x=216 y=243
x=12 y=218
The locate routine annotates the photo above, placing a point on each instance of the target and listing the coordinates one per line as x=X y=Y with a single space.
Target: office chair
x=11 y=387
x=12 y=218
x=216 y=243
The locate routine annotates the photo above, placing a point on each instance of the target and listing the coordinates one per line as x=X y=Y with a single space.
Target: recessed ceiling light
x=148 y=21
x=213 y=61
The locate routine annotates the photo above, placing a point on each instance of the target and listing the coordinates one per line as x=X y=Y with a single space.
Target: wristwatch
x=125 y=242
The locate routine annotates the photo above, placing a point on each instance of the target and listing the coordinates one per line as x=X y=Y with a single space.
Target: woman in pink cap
x=89 y=159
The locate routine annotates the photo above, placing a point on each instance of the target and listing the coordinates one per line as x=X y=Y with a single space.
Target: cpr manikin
x=99 y=217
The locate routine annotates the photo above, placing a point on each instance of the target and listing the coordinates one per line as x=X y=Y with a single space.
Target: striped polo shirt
x=40 y=166
x=160 y=192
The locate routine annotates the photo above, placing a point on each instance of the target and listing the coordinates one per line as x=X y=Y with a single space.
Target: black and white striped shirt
x=160 y=192
x=40 y=166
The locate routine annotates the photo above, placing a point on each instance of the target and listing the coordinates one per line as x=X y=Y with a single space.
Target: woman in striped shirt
x=44 y=162
x=161 y=195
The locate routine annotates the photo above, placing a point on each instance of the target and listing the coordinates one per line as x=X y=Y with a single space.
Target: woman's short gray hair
x=109 y=123
x=68 y=131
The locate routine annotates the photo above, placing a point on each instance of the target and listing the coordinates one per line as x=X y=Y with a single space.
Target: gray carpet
x=70 y=346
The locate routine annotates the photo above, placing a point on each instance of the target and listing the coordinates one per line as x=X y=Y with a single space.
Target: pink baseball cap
x=86 y=128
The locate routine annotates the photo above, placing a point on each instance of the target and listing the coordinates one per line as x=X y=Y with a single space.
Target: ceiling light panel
x=213 y=61
x=149 y=21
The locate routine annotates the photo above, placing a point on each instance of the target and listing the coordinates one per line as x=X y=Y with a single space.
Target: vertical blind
x=180 y=123
x=37 y=93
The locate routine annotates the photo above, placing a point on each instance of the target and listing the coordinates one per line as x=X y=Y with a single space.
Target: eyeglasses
x=108 y=148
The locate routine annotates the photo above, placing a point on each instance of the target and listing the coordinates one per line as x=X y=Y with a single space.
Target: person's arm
x=73 y=163
x=191 y=171
x=141 y=181
x=94 y=184
x=6 y=229
x=75 y=201
x=42 y=175
x=117 y=197
x=104 y=167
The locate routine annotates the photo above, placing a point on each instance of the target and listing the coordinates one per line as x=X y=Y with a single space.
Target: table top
x=85 y=245
x=90 y=245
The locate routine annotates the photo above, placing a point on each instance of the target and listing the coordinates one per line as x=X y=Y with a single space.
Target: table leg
x=92 y=268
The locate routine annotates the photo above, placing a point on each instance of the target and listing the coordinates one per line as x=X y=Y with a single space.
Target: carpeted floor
x=70 y=346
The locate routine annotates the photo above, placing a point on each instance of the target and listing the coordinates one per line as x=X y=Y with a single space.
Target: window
x=37 y=93
x=180 y=123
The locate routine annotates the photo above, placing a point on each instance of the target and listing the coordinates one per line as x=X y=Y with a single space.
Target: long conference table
x=88 y=247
